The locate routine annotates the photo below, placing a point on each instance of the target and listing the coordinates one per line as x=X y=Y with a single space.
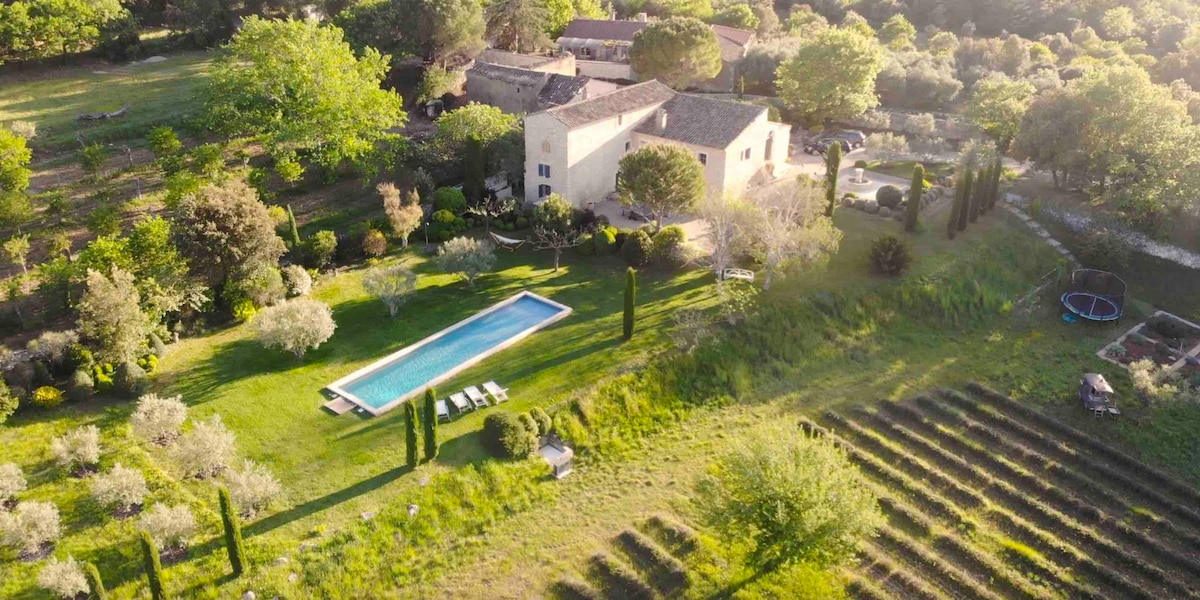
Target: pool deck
x=338 y=387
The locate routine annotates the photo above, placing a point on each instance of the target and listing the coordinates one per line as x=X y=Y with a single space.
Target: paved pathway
x=1042 y=233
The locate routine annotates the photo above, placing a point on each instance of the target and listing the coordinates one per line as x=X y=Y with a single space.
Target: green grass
x=904 y=169
x=165 y=93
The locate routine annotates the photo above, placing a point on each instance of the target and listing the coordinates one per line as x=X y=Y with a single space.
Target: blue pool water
x=414 y=370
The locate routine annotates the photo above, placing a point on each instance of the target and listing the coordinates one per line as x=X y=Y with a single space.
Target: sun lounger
x=460 y=402
x=477 y=398
x=338 y=405
x=497 y=393
x=443 y=410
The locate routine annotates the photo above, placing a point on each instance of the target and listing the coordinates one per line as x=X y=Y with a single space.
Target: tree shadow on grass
x=330 y=500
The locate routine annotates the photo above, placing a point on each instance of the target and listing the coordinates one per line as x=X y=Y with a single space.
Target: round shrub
x=130 y=380
x=449 y=199
x=889 y=255
x=605 y=240
x=442 y=217
x=445 y=235
x=506 y=437
x=669 y=245
x=860 y=164
x=9 y=402
x=80 y=386
x=1103 y=248
x=460 y=223
x=586 y=246
x=889 y=196
x=374 y=243
x=157 y=347
x=20 y=375
x=522 y=223
x=637 y=249
x=528 y=423
x=243 y=309
x=47 y=396
x=79 y=357
x=621 y=236
x=544 y=422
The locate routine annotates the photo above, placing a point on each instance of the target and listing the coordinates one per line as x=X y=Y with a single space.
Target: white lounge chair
x=460 y=402
x=477 y=398
x=497 y=393
x=443 y=410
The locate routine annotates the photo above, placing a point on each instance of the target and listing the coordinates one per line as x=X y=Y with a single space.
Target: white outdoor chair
x=497 y=393
x=743 y=274
x=443 y=410
x=477 y=398
x=460 y=402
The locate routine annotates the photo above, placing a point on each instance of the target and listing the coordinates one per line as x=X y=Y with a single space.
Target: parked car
x=855 y=137
x=823 y=144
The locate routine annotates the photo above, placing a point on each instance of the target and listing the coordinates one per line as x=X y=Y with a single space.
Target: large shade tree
x=442 y=31
x=224 y=229
x=997 y=106
x=832 y=76
x=300 y=88
x=31 y=29
x=519 y=25
x=663 y=178
x=679 y=52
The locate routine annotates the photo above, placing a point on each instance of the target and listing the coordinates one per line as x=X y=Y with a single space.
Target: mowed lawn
x=163 y=93
x=334 y=468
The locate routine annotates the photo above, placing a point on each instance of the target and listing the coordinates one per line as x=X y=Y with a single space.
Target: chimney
x=641 y=17
x=662 y=119
x=612 y=15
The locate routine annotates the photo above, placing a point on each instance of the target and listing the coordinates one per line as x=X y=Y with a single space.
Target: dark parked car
x=856 y=138
x=823 y=144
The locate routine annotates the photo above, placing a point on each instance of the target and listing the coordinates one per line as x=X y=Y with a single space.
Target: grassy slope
x=160 y=93
x=335 y=468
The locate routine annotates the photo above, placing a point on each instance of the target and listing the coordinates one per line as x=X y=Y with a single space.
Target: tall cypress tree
x=474 y=170
x=293 y=231
x=431 y=424
x=997 y=173
x=95 y=583
x=985 y=186
x=917 y=189
x=978 y=196
x=630 y=300
x=410 y=434
x=153 y=566
x=965 y=203
x=952 y=222
x=833 y=165
x=233 y=533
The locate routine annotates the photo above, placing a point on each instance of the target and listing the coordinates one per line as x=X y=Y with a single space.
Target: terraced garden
x=987 y=498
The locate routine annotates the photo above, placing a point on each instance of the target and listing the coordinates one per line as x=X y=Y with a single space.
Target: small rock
x=412 y=510
x=885 y=212
x=306 y=546
x=399 y=537
x=282 y=560
x=249 y=596
x=424 y=481
x=293 y=577
x=367 y=516
x=848 y=202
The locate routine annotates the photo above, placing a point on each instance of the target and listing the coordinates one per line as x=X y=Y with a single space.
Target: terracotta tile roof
x=561 y=89
x=512 y=75
x=702 y=121
x=740 y=37
x=603 y=29
x=609 y=105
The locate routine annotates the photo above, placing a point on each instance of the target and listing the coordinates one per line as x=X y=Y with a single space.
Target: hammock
x=506 y=243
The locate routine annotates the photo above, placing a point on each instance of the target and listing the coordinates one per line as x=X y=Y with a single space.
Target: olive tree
x=790 y=497
x=12 y=482
x=206 y=450
x=64 y=579
x=169 y=526
x=30 y=526
x=728 y=221
x=296 y=326
x=110 y=315
x=791 y=225
x=158 y=419
x=553 y=229
x=393 y=285
x=466 y=257
x=122 y=488
x=78 y=448
x=252 y=487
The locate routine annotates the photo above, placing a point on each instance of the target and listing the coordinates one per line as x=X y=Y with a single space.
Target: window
x=746 y=154
x=703 y=158
x=543 y=190
x=620 y=119
x=544 y=171
x=627 y=146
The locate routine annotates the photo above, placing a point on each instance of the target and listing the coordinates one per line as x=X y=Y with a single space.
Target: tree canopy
x=831 y=77
x=14 y=160
x=664 y=178
x=997 y=106
x=679 y=52
x=31 y=29
x=300 y=88
x=224 y=228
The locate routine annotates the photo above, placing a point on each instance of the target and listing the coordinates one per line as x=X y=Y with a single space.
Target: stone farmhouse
x=519 y=83
x=575 y=150
x=601 y=49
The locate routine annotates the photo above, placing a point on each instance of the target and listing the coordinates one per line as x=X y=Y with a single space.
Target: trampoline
x=1095 y=295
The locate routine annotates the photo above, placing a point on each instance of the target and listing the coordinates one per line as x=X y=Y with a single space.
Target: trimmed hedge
x=618 y=580
x=665 y=572
x=505 y=435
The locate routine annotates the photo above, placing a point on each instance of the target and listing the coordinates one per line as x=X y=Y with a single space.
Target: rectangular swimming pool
x=384 y=384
